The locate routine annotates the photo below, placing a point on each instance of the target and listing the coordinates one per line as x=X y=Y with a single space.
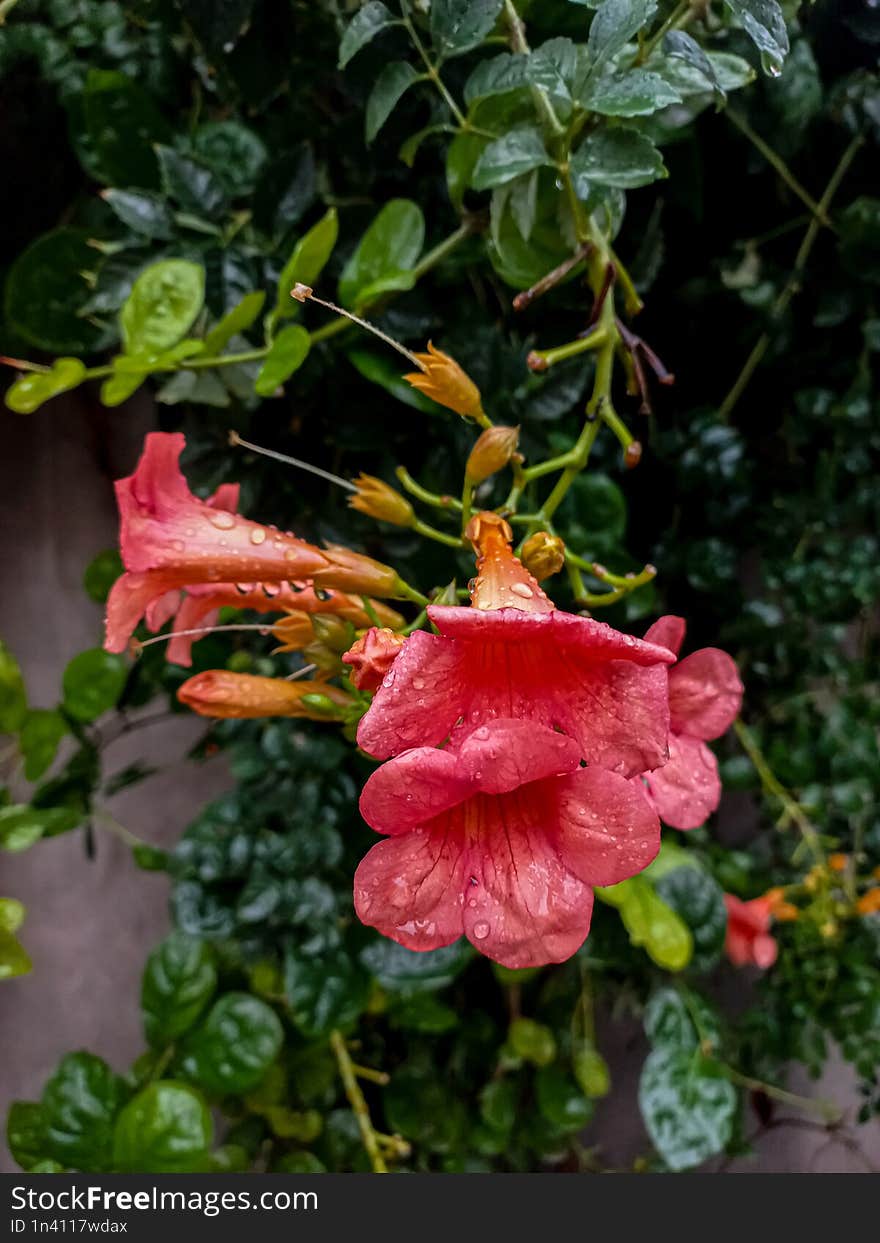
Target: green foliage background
x=218 y=136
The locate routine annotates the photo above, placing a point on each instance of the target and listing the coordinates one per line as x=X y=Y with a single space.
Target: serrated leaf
x=389 y=88
x=764 y=23
x=621 y=158
x=363 y=27
x=682 y=46
x=516 y=152
x=459 y=25
x=637 y=93
x=553 y=68
x=503 y=73
x=615 y=23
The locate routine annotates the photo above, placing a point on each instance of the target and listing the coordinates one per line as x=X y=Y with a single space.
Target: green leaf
x=637 y=93
x=622 y=158
x=285 y=192
x=101 y=573
x=650 y=922
x=234 y=322
x=688 y=1106
x=400 y=970
x=13 y=697
x=386 y=254
x=45 y=291
x=498 y=1101
x=615 y=23
x=421 y=1107
x=234 y=154
x=41 y=733
x=518 y=151
x=679 y=1018
x=79 y=1104
x=217 y=24
x=190 y=183
x=591 y=1070
x=287 y=355
x=32 y=389
x=532 y=1041
x=14 y=959
x=324 y=991
x=381 y=370
x=162 y=306
x=764 y=23
x=178 y=981
x=122 y=123
x=21 y=825
x=363 y=27
x=459 y=25
x=234 y=1046
x=305 y=265
x=389 y=88
x=12 y=914
x=502 y=73
x=697 y=897
x=553 y=67
x=92 y=682
x=165 y=1129
x=125 y=381
x=26 y=1133
x=599 y=507
x=143 y=212
x=561 y=1100
x=682 y=46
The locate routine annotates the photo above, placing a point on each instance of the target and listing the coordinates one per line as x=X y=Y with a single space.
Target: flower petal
x=526 y=908
x=503 y=755
x=668 y=632
x=705 y=693
x=687 y=789
x=411 y=887
x=419 y=700
x=607 y=829
x=414 y=788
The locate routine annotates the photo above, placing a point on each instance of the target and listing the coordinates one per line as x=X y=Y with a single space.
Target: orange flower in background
x=443 y=380
x=224 y=695
x=869 y=903
x=837 y=862
x=377 y=499
x=748 y=938
x=372 y=656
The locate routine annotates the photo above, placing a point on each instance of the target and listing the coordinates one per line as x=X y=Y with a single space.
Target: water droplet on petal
x=258 y=536
x=481 y=931
x=221 y=519
x=418 y=684
x=520 y=589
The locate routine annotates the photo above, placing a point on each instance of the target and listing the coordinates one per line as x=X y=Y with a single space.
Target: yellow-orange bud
x=543 y=555
x=293 y=631
x=375 y=498
x=443 y=380
x=493 y=450
x=352 y=571
x=221 y=694
x=869 y=903
x=838 y=862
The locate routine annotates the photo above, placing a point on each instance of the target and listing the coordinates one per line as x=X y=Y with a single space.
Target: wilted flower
x=442 y=379
x=492 y=451
x=219 y=693
x=499 y=837
x=377 y=499
x=372 y=656
x=705 y=695
x=748 y=932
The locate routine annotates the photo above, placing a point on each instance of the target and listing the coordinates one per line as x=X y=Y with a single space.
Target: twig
x=358 y=1105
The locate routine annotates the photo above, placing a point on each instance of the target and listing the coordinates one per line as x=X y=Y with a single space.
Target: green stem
x=520 y=44
x=772 y=157
x=431 y=258
x=774 y=787
x=571 y=349
x=467 y=496
x=429 y=532
x=431 y=69
x=358 y=1104
x=827 y=1110
x=793 y=284
x=429 y=498
x=679 y=16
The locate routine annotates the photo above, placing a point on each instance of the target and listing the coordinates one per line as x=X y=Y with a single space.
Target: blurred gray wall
x=91 y=923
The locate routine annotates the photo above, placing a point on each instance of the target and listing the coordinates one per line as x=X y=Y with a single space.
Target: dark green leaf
x=142 y=211
x=92 y=682
x=305 y=265
x=615 y=23
x=622 y=158
x=637 y=93
x=498 y=1101
x=79 y=1105
x=386 y=254
x=190 y=183
x=324 y=992
x=162 y=306
x=101 y=573
x=458 y=25
x=516 y=152
x=420 y=1107
x=178 y=981
x=679 y=1018
x=26 y=1133
x=697 y=897
x=13 y=697
x=381 y=370
x=505 y=72
x=363 y=27
x=233 y=152
x=165 y=1129
x=561 y=1100
x=45 y=291
x=123 y=123
x=218 y=24
x=401 y=970
x=41 y=733
x=688 y=1106
x=553 y=67
x=234 y=1046
x=389 y=88
x=287 y=355
x=682 y=46
x=285 y=192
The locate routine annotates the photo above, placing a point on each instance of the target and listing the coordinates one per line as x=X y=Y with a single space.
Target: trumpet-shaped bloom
x=705 y=694
x=170 y=539
x=748 y=932
x=500 y=838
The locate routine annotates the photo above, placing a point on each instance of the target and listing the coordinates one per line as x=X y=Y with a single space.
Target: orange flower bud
x=502 y=581
x=372 y=656
x=838 y=862
x=785 y=913
x=493 y=450
x=869 y=903
x=442 y=379
x=375 y=498
x=536 y=361
x=352 y=571
x=543 y=555
x=219 y=693
x=293 y=631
